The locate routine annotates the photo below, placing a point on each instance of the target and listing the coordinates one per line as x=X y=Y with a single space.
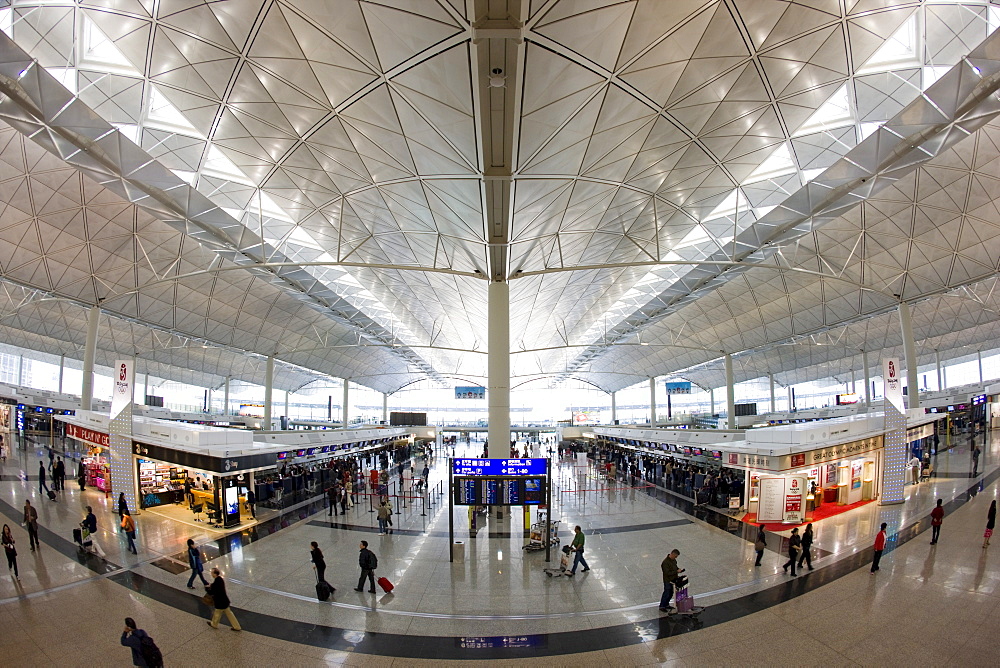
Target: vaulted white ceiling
x=311 y=180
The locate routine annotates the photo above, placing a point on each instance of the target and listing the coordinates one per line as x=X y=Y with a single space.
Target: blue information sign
x=499 y=467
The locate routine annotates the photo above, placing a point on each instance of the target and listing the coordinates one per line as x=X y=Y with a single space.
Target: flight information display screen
x=499 y=467
x=499 y=491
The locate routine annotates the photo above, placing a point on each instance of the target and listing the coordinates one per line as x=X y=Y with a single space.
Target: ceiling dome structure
x=335 y=184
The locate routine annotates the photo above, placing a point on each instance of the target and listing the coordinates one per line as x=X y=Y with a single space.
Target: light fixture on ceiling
x=497 y=79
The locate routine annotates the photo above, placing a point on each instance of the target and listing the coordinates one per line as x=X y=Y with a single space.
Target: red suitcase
x=385 y=585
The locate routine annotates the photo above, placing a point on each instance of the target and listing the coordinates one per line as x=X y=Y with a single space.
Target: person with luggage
x=880 y=539
x=41 y=481
x=60 y=474
x=991 y=520
x=937 y=519
x=760 y=544
x=144 y=650
x=807 y=541
x=7 y=539
x=89 y=532
x=220 y=601
x=31 y=524
x=196 y=564
x=319 y=564
x=128 y=526
x=368 y=563
x=670 y=571
x=577 y=546
x=794 y=543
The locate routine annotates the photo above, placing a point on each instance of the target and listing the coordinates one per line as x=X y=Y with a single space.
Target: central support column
x=62 y=368
x=89 y=353
x=652 y=402
x=225 y=398
x=343 y=408
x=268 y=390
x=979 y=359
x=910 y=353
x=770 y=378
x=385 y=407
x=614 y=409
x=730 y=394
x=498 y=369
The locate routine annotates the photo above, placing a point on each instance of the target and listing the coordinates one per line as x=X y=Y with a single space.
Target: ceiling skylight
x=835 y=113
x=899 y=51
x=777 y=164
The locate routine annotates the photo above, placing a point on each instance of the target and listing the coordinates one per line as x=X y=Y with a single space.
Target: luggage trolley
x=685 y=601
x=536 y=536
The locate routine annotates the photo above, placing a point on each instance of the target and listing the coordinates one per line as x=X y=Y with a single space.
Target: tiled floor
x=927 y=606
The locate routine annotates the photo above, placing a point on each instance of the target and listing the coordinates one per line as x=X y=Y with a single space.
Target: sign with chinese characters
x=798 y=460
x=795 y=491
x=499 y=467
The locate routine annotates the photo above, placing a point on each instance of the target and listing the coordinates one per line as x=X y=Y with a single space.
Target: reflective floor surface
x=929 y=605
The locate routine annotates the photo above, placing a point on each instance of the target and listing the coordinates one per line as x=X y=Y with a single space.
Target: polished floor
x=929 y=605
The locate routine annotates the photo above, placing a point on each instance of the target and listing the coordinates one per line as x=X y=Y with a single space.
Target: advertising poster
x=831 y=474
x=856 y=474
x=795 y=494
x=893 y=383
x=770 y=507
x=470 y=392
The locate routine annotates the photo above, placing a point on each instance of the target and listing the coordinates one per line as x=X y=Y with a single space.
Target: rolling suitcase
x=77 y=536
x=386 y=586
x=323 y=590
x=52 y=495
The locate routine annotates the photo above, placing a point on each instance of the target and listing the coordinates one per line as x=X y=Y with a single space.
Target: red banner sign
x=798 y=460
x=89 y=435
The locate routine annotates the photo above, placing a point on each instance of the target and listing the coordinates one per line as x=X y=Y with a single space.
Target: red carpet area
x=821 y=513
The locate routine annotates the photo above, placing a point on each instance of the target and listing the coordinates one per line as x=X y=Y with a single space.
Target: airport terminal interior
x=584 y=332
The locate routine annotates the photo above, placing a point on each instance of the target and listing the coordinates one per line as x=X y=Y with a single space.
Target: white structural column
x=286 y=404
x=344 y=414
x=652 y=402
x=20 y=371
x=770 y=378
x=910 y=352
x=614 y=410
x=385 y=407
x=498 y=370
x=937 y=367
x=145 y=388
x=268 y=391
x=979 y=358
x=711 y=401
x=730 y=394
x=62 y=368
x=868 y=380
x=89 y=353
x=854 y=382
x=225 y=396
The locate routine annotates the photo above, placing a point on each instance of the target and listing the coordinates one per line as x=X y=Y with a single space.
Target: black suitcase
x=77 y=536
x=52 y=495
x=323 y=590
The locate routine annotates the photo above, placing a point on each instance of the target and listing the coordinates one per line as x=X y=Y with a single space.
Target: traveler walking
x=90 y=524
x=144 y=650
x=319 y=564
x=807 y=541
x=937 y=518
x=760 y=544
x=991 y=520
x=880 y=539
x=670 y=572
x=794 y=542
x=122 y=509
x=31 y=524
x=368 y=563
x=975 y=459
x=41 y=478
x=128 y=526
x=59 y=475
x=220 y=601
x=197 y=566
x=7 y=539
x=577 y=545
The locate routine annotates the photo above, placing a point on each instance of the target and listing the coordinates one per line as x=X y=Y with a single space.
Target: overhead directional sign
x=499 y=467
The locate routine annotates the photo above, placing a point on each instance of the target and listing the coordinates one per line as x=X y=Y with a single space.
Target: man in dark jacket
x=132 y=638
x=332 y=494
x=41 y=478
x=368 y=563
x=670 y=572
x=220 y=601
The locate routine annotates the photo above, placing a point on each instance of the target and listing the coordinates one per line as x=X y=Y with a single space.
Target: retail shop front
x=93 y=467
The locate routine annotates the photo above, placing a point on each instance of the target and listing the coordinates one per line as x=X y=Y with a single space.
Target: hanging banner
x=122 y=394
x=120 y=434
x=893 y=383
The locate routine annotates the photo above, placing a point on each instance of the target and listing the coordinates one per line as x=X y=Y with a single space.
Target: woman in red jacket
x=879 y=547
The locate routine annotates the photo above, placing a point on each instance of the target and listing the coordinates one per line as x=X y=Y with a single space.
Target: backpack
x=150 y=652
